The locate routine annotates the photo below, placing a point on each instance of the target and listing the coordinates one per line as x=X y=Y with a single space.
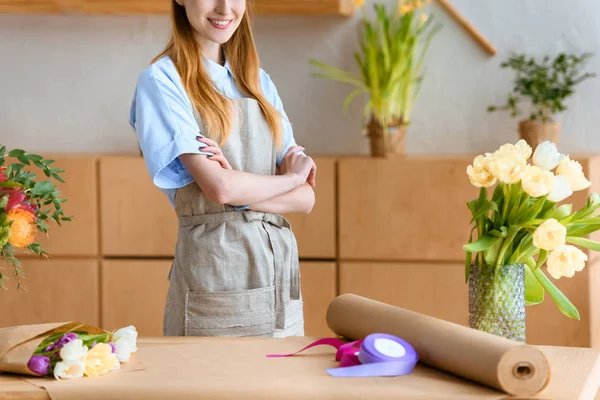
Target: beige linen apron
x=235 y=273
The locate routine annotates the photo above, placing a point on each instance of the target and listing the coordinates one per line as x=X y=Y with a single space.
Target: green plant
x=389 y=61
x=546 y=84
x=26 y=206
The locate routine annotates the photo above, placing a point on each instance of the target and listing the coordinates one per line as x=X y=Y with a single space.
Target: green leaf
x=541 y=259
x=42 y=187
x=483 y=243
x=561 y=301
x=34 y=157
x=58 y=178
x=485 y=207
x=561 y=212
x=469 y=257
x=583 y=242
x=23 y=158
x=16 y=153
x=534 y=291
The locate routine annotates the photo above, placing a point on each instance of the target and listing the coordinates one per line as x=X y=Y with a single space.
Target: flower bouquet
x=65 y=350
x=26 y=205
x=521 y=228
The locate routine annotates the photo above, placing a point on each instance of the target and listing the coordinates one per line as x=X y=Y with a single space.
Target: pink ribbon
x=377 y=355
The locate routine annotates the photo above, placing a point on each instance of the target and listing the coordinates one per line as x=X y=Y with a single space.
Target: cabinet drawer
x=319 y=288
x=404 y=209
x=57 y=290
x=80 y=236
x=134 y=292
x=137 y=219
x=315 y=232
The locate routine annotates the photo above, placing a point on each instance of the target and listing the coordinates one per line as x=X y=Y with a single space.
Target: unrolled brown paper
x=500 y=363
x=18 y=343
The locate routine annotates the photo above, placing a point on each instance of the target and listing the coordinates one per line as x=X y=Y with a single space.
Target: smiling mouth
x=221 y=23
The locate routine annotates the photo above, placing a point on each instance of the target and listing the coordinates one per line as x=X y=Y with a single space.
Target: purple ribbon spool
x=381 y=355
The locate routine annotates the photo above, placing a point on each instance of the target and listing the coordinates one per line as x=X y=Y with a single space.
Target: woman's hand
x=298 y=164
x=213 y=147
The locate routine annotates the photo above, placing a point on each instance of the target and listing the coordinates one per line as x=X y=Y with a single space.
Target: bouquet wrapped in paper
x=66 y=350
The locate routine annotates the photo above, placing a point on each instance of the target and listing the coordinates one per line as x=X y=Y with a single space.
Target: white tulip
x=561 y=189
x=550 y=235
x=125 y=342
x=574 y=173
x=69 y=369
x=546 y=156
x=565 y=261
x=73 y=351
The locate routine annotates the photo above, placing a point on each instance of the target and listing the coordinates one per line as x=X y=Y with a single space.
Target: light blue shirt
x=162 y=116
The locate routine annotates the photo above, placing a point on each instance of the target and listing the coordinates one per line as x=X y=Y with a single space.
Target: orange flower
x=23 y=229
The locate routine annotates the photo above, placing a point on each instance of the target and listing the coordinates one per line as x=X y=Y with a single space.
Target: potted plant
x=393 y=47
x=546 y=85
x=520 y=228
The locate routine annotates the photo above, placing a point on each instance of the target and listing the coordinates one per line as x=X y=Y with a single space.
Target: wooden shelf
x=141 y=7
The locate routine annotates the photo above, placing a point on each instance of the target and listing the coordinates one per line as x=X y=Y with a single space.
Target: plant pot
x=535 y=133
x=396 y=143
x=497 y=300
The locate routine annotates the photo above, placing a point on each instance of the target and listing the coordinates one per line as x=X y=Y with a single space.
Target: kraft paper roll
x=490 y=360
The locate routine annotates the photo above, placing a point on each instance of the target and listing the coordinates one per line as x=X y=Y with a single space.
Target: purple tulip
x=39 y=365
x=59 y=344
x=112 y=346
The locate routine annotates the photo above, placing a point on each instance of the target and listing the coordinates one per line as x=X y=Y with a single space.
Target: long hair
x=214 y=108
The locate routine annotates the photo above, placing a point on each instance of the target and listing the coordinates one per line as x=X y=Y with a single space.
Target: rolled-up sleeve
x=163 y=119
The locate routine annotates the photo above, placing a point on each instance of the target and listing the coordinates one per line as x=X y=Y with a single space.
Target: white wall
x=66 y=81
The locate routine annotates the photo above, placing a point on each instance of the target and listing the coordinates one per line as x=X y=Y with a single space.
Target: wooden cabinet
x=315 y=232
x=57 y=290
x=80 y=236
x=137 y=7
x=137 y=219
x=405 y=209
x=134 y=292
x=318 y=281
x=439 y=290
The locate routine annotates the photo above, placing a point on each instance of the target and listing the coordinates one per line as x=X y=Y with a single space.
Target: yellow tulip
x=359 y=3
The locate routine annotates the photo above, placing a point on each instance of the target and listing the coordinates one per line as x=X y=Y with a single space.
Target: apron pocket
x=236 y=314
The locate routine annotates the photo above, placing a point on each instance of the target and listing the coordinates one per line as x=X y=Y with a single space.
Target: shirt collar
x=217 y=71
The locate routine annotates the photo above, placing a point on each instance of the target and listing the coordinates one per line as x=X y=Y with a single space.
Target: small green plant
x=393 y=47
x=546 y=84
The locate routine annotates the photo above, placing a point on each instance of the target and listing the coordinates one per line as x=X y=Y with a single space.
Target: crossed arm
x=290 y=191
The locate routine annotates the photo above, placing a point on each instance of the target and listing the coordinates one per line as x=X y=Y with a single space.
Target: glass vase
x=497 y=300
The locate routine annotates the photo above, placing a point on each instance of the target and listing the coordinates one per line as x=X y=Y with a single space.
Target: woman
x=216 y=140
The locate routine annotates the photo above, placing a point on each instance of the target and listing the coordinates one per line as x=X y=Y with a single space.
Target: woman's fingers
x=294 y=149
x=221 y=160
x=212 y=149
x=207 y=141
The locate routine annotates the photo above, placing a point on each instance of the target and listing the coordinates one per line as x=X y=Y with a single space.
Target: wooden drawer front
x=134 y=292
x=407 y=209
x=57 y=290
x=80 y=236
x=137 y=219
x=315 y=232
x=439 y=290
x=318 y=290
x=433 y=289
